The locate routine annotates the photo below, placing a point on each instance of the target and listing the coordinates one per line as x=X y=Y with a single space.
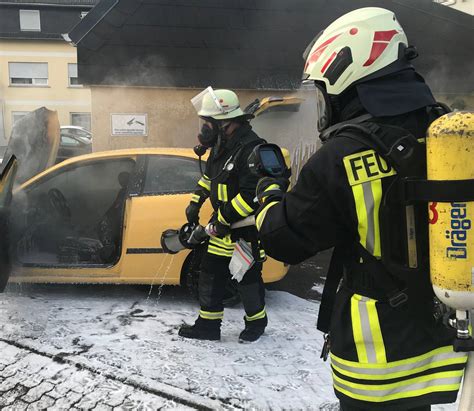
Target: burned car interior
x=74 y=217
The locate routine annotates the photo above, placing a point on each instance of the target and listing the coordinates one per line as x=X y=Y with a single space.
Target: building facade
x=37 y=66
x=145 y=59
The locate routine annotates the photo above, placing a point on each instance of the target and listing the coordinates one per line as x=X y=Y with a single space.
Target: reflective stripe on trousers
x=211 y=315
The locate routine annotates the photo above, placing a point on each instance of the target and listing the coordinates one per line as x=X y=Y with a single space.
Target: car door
x=34 y=141
x=159 y=203
x=63 y=240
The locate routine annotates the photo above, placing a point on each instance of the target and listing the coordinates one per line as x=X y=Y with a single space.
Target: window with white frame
x=81 y=120
x=28 y=74
x=72 y=74
x=30 y=20
x=18 y=115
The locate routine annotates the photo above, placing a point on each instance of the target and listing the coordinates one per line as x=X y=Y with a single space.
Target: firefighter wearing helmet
x=230 y=186
x=387 y=348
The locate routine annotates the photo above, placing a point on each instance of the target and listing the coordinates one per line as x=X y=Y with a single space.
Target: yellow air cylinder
x=450 y=156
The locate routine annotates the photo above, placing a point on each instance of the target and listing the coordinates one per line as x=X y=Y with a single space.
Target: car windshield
x=67 y=135
x=77 y=132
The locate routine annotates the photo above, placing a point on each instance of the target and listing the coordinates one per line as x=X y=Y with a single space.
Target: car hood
x=274 y=103
x=34 y=142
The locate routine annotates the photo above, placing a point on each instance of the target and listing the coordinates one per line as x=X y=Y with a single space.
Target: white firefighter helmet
x=354 y=46
x=217 y=104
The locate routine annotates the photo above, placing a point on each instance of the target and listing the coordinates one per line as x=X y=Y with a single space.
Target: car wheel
x=190 y=271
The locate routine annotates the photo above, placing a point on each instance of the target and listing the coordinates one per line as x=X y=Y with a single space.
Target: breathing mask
x=208 y=135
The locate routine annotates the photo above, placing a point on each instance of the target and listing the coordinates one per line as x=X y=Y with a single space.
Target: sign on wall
x=133 y=124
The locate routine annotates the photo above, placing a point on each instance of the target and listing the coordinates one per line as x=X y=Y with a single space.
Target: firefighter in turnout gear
x=388 y=350
x=230 y=186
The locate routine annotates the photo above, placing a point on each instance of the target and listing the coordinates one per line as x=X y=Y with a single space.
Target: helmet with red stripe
x=354 y=46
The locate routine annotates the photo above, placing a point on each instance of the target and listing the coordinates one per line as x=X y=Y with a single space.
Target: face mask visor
x=323 y=108
x=207 y=104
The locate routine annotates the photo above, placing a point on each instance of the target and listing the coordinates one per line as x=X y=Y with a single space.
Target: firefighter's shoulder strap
x=406 y=155
x=333 y=278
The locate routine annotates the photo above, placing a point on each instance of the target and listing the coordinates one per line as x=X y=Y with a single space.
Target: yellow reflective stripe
x=203 y=182
x=211 y=315
x=195 y=198
x=444 y=356
x=399 y=384
x=219 y=251
x=221 y=218
x=367 y=198
x=263 y=213
x=270 y=187
x=416 y=393
x=442 y=351
x=357 y=329
x=257 y=316
x=225 y=242
x=366 y=330
x=438 y=382
x=376 y=332
x=358 y=193
x=376 y=186
x=243 y=203
x=222 y=192
x=262 y=253
x=241 y=206
x=399 y=374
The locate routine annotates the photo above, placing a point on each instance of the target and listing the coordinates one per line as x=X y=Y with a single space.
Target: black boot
x=202 y=330
x=253 y=330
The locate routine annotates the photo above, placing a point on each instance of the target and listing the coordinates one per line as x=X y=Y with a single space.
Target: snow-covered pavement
x=121 y=332
x=104 y=347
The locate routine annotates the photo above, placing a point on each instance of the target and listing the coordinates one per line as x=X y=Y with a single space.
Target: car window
x=83 y=134
x=89 y=187
x=69 y=141
x=171 y=174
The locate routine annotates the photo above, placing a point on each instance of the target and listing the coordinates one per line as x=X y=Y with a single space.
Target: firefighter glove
x=215 y=228
x=192 y=213
x=271 y=189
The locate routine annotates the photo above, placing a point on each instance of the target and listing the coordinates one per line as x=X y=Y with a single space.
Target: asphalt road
x=305 y=280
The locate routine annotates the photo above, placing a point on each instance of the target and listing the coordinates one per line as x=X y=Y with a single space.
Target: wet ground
x=306 y=280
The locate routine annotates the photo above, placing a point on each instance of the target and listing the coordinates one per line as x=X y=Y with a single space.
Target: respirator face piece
x=208 y=135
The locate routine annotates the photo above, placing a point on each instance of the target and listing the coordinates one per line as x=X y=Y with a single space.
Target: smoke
x=293 y=128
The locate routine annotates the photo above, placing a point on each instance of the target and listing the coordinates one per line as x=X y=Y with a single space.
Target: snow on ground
x=124 y=333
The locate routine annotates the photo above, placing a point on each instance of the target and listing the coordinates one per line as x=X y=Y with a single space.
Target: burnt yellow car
x=98 y=218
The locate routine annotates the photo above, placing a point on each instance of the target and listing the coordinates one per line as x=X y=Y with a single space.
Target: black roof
x=250 y=43
x=65 y=3
x=57 y=17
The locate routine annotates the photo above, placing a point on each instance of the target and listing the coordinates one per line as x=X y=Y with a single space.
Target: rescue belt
x=408 y=157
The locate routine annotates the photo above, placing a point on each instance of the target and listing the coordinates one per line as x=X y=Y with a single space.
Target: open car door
x=32 y=147
x=7 y=179
x=34 y=142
